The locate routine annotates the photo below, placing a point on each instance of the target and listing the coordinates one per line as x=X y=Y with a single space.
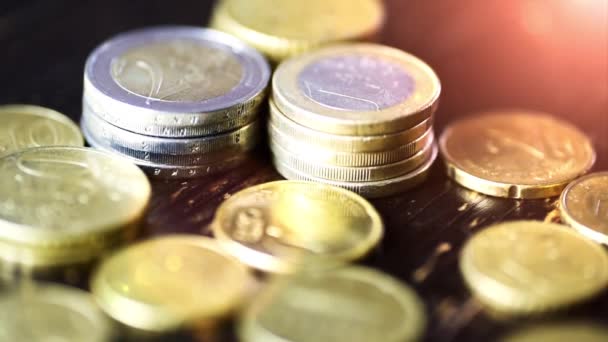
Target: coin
x=526 y=267
x=154 y=81
x=61 y=196
x=284 y=29
x=515 y=154
x=356 y=89
x=375 y=189
x=45 y=312
x=275 y=226
x=23 y=126
x=353 y=304
x=345 y=143
x=164 y=283
x=584 y=206
x=560 y=332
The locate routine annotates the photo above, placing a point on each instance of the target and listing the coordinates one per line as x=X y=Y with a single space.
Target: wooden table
x=549 y=55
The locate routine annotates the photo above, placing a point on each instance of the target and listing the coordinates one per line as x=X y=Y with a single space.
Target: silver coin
x=176 y=81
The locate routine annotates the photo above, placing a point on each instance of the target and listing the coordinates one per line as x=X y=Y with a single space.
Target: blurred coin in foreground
x=560 y=332
x=527 y=267
x=515 y=154
x=277 y=226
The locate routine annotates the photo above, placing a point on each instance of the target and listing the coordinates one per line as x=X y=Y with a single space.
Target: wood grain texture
x=531 y=54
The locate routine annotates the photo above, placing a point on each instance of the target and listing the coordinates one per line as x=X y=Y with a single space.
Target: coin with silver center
x=176 y=81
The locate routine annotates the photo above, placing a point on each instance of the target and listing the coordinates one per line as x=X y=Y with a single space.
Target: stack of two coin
x=178 y=101
x=357 y=116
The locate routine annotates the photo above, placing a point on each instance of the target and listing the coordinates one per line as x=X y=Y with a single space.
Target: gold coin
x=353 y=304
x=164 y=283
x=356 y=89
x=515 y=154
x=584 y=206
x=23 y=126
x=52 y=313
x=525 y=267
x=61 y=196
x=345 y=143
x=276 y=225
x=560 y=332
x=286 y=28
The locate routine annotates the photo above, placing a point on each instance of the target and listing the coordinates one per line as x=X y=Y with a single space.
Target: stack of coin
x=358 y=116
x=178 y=101
x=282 y=29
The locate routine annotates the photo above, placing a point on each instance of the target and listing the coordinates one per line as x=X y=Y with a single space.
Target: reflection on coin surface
x=525 y=267
x=23 y=126
x=515 y=154
x=62 y=195
x=356 y=89
x=352 y=304
x=276 y=225
x=51 y=313
x=161 y=284
x=584 y=206
x=560 y=332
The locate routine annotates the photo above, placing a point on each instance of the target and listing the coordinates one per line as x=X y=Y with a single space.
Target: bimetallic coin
x=515 y=154
x=284 y=29
x=280 y=226
x=345 y=143
x=24 y=126
x=352 y=304
x=61 y=196
x=584 y=206
x=373 y=189
x=164 y=283
x=526 y=267
x=356 y=89
x=176 y=81
x=560 y=332
x=52 y=313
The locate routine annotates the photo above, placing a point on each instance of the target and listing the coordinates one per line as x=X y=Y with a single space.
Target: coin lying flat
x=52 y=313
x=58 y=196
x=283 y=29
x=279 y=226
x=164 y=283
x=176 y=81
x=515 y=154
x=584 y=206
x=352 y=304
x=23 y=126
x=560 y=332
x=356 y=89
x=526 y=267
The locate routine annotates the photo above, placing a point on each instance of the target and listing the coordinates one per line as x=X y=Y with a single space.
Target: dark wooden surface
x=549 y=55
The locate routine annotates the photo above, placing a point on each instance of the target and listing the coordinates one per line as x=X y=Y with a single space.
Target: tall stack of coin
x=178 y=101
x=358 y=116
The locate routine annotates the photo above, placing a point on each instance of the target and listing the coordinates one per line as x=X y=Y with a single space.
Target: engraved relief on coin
x=355 y=83
x=586 y=202
x=177 y=71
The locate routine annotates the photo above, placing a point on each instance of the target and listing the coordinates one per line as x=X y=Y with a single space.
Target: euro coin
x=356 y=89
x=515 y=154
x=352 y=304
x=527 y=267
x=580 y=331
x=24 y=126
x=169 y=282
x=286 y=28
x=584 y=206
x=280 y=226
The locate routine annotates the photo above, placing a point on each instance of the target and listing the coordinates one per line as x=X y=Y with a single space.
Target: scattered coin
x=560 y=332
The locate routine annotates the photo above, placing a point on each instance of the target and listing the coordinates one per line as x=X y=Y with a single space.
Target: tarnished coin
x=356 y=89
x=23 y=126
x=164 y=283
x=560 y=332
x=584 y=206
x=52 y=313
x=352 y=304
x=526 y=267
x=276 y=225
x=284 y=29
x=515 y=154
x=52 y=196
x=175 y=81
